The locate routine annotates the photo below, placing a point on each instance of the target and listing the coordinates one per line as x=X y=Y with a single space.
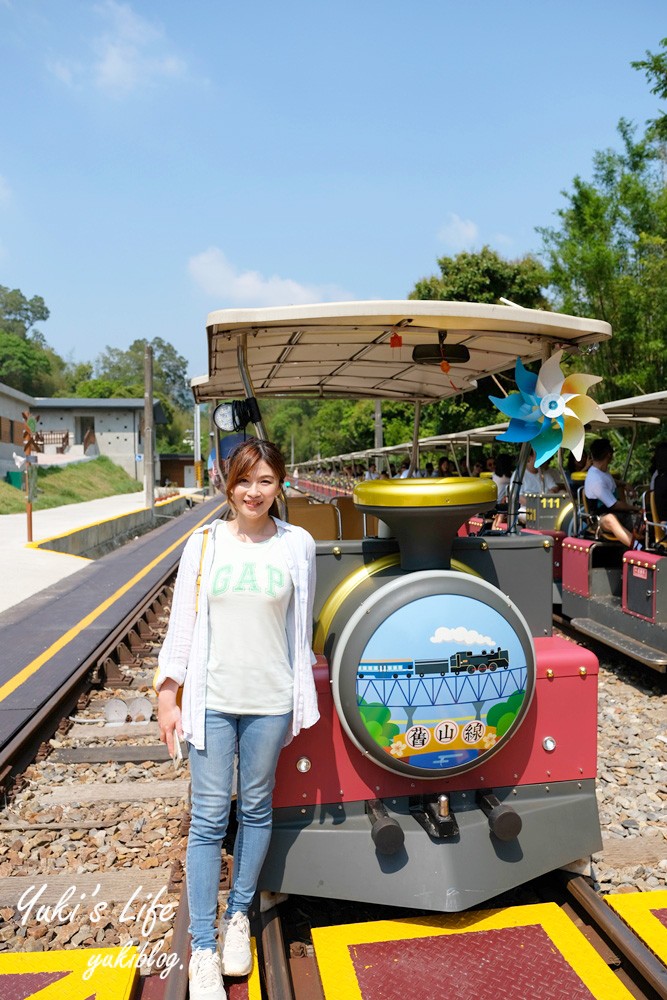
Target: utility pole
x=199 y=472
x=29 y=470
x=378 y=441
x=149 y=469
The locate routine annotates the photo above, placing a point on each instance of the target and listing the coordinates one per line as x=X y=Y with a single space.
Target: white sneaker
x=236 y=954
x=205 y=976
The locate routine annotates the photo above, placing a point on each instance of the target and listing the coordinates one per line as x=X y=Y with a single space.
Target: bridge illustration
x=425 y=692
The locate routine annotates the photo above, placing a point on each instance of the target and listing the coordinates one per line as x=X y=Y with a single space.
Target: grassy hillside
x=70 y=484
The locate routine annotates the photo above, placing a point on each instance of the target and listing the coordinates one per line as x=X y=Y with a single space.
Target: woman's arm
x=175 y=653
x=168 y=713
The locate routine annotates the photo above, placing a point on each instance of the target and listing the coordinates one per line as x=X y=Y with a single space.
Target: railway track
x=94 y=829
x=289 y=956
x=95 y=821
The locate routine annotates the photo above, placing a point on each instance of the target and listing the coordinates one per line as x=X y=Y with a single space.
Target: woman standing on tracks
x=239 y=641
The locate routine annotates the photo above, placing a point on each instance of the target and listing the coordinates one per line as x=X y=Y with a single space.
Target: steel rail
x=277 y=977
x=638 y=954
x=177 y=981
x=13 y=754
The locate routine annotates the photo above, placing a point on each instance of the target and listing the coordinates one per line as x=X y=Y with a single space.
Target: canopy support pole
x=414 y=453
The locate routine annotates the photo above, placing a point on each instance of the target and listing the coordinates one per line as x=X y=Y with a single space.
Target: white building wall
x=116 y=434
x=12 y=404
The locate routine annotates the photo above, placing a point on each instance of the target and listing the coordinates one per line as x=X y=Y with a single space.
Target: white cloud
x=214 y=274
x=131 y=53
x=462 y=637
x=458 y=234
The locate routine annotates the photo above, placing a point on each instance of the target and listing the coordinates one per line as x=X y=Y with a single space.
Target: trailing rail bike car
x=611 y=594
x=435 y=788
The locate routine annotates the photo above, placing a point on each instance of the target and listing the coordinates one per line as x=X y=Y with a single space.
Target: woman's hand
x=168 y=714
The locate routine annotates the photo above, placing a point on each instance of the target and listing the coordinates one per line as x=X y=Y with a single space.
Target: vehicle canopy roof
x=649 y=409
x=343 y=349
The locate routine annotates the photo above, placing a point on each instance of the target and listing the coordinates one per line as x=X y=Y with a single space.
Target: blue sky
x=160 y=159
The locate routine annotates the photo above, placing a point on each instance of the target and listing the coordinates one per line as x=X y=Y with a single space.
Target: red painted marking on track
x=660 y=915
x=237 y=990
x=22 y=985
x=517 y=963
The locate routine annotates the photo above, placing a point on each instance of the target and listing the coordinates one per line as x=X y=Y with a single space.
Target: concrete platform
x=26 y=570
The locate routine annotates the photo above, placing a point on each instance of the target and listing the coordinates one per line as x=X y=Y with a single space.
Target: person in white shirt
x=502 y=476
x=239 y=641
x=601 y=491
x=371 y=472
x=535 y=480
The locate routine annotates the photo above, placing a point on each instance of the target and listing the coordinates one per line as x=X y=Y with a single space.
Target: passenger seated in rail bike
x=582 y=465
x=502 y=476
x=239 y=642
x=658 y=485
x=601 y=491
x=654 y=502
x=534 y=480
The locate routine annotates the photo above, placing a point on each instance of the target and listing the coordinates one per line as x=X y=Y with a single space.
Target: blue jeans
x=259 y=739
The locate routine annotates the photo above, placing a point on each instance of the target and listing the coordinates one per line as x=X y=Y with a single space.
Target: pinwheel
x=549 y=410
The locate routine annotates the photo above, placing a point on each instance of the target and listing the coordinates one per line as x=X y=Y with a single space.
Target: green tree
x=18 y=314
x=26 y=360
x=23 y=365
x=486 y=277
x=108 y=388
x=655 y=68
x=608 y=259
x=289 y=421
x=169 y=369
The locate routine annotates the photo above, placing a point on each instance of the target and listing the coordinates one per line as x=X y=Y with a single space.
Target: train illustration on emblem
x=464 y=660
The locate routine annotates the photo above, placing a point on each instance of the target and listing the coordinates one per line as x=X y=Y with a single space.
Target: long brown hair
x=244 y=458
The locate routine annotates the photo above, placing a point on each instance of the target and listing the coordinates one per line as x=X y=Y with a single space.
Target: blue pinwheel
x=549 y=410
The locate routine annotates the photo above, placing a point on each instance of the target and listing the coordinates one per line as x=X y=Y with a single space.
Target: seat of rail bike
x=591 y=522
x=354 y=524
x=655 y=530
x=321 y=520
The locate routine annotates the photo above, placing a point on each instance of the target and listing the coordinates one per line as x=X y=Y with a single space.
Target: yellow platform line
x=635 y=909
x=31 y=668
x=93 y=524
x=333 y=945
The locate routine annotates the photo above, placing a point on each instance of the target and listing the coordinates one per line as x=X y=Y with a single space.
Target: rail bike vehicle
x=611 y=594
x=455 y=756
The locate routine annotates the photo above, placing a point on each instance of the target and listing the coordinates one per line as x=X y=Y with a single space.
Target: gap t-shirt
x=249 y=591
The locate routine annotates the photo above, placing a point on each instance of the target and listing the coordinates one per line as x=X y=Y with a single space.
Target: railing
x=58 y=438
x=322 y=489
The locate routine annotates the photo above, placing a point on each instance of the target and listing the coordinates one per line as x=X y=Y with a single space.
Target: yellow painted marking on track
x=635 y=909
x=332 y=945
x=114 y=982
x=254 y=985
x=60 y=643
